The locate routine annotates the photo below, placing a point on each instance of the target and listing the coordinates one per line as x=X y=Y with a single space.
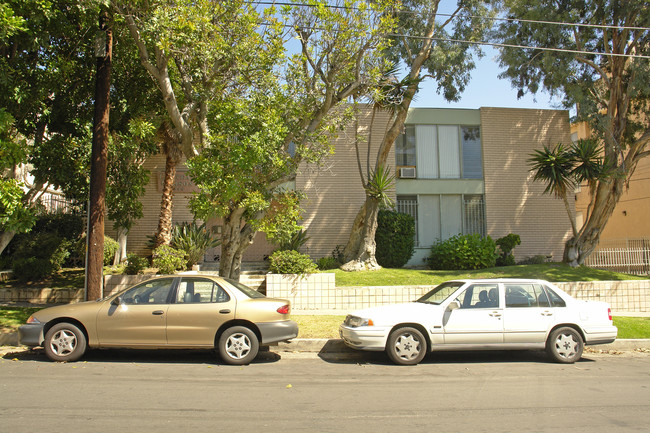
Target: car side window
x=525 y=295
x=479 y=296
x=554 y=298
x=149 y=292
x=197 y=290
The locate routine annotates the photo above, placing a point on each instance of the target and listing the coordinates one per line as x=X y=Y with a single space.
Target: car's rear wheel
x=64 y=342
x=565 y=345
x=238 y=345
x=406 y=346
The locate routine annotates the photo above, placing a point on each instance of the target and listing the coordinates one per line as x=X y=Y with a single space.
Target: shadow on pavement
x=351 y=356
x=144 y=356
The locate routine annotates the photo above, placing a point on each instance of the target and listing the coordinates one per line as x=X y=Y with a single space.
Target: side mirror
x=454 y=305
x=117 y=301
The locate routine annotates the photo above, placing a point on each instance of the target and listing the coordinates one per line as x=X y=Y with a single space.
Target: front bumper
x=365 y=337
x=31 y=334
x=273 y=332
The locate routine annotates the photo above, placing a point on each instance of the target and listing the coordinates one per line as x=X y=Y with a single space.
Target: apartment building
x=458 y=171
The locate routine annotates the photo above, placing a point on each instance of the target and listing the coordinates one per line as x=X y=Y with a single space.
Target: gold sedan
x=175 y=312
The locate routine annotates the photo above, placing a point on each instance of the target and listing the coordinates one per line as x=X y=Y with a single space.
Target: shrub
x=168 y=259
x=290 y=262
x=135 y=264
x=39 y=255
x=463 y=252
x=506 y=244
x=79 y=250
x=68 y=226
x=327 y=263
x=297 y=241
x=534 y=260
x=395 y=238
x=194 y=240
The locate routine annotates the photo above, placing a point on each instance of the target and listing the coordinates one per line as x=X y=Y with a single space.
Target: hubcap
x=566 y=345
x=63 y=342
x=238 y=346
x=407 y=346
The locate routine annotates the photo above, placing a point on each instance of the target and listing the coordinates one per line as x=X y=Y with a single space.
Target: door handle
x=158 y=313
x=225 y=311
x=495 y=314
x=547 y=313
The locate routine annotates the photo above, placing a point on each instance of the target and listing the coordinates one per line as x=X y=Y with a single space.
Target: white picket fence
x=631 y=256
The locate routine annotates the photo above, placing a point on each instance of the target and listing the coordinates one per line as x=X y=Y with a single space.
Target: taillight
x=284 y=309
x=609 y=313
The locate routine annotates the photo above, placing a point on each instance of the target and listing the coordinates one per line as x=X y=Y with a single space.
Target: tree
x=286 y=116
x=602 y=72
x=427 y=49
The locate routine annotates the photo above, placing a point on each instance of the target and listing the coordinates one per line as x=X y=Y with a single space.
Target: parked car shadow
x=161 y=356
x=334 y=354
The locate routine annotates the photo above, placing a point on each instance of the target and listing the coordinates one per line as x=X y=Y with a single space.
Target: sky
x=485 y=89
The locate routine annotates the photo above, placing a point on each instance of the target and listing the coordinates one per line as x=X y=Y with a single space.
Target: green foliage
x=290 y=262
x=506 y=244
x=14 y=216
x=69 y=226
x=110 y=248
x=135 y=264
x=39 y=255
x=395 y=238
x=327 y=263
x=533 y=260
x=168 y=260
x=79 y=250
x=379 y=183
x=194 y=240
x=463 y=252
x=297 y=241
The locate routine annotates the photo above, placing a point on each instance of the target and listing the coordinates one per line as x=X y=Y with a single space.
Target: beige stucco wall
x=513 y=202
x=334 y=191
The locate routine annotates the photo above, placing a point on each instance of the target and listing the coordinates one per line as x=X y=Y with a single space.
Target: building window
x=408 y=204
x=474 y=215
x=441 y=151
x=405 y=148
x=472 y=152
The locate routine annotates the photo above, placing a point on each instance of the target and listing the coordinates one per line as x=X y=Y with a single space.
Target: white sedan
x=487 y=314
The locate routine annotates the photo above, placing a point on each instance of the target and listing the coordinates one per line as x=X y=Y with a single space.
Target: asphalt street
x=285 y=392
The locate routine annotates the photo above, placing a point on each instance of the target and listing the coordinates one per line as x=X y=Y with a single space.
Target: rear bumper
x=273 y=332
x=31 y=334
x=604 y=335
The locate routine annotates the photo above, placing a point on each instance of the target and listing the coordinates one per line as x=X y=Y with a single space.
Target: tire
x=565 y=345
x=64 y=342
x=238 y=345
x=406 y=346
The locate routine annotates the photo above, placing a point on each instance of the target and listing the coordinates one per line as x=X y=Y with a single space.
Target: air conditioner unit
x=407 y=172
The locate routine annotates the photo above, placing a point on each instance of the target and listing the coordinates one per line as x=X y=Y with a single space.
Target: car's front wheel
x=238 y=345
x=406 y=346
x=565 y=345
x=64 y=342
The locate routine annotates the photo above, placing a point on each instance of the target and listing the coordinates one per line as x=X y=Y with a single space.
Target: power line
x=559 y=23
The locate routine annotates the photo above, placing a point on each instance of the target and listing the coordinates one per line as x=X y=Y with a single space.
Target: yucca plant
x=194 y=239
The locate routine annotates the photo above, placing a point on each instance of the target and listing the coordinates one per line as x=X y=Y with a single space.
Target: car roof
x=500 y=280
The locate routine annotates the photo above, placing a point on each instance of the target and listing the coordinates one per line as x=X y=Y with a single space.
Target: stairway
x=253 y=274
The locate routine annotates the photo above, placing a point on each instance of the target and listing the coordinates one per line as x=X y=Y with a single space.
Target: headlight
x=33 y=319
x=355 y=321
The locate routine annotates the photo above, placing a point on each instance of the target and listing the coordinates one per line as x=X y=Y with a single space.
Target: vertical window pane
x=427 y=151
x=449 y=152
x=472 y=156
x=405 y=148
x=474 y=215
x=451 y=215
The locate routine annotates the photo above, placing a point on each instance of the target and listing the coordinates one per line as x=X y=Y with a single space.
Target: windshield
x=440 y=293
x=245 y=289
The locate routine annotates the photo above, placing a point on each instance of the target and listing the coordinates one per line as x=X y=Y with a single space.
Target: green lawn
x=548 y=271
x=633 y=327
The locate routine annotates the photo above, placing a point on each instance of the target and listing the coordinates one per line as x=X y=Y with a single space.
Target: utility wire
x=560 y=23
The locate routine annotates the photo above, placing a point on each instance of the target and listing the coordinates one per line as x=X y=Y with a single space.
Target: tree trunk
x=120 y=254
x=5 y=238
x=164 y=232
x=236 y=236
x=578 y=248
x=359 y=253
